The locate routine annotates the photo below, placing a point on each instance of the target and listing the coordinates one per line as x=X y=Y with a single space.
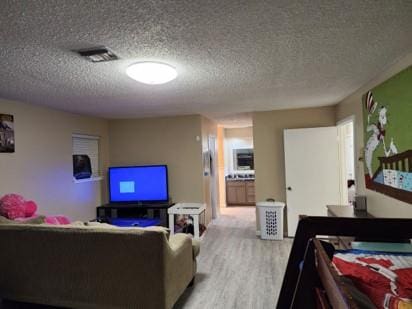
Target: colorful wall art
x=387 y=118
x=6 y=133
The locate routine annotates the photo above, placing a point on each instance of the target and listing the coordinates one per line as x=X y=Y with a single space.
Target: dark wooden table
x=346 y=211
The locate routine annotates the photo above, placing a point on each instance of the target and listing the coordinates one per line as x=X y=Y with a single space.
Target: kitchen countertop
x=239 y=179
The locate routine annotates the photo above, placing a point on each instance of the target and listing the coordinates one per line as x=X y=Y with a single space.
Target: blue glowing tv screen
x=138 y=184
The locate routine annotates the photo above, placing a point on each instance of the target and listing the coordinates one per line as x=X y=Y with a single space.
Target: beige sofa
x=94 y=267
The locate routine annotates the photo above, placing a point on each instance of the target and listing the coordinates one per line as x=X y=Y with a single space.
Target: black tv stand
x=136 y=210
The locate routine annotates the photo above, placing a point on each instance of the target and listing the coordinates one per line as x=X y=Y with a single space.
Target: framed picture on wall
x=6 y=133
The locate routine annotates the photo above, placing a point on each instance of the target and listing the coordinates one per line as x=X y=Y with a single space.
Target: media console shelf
x=134 y=211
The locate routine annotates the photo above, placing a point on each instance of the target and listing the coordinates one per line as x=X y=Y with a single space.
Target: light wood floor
x=235 y=268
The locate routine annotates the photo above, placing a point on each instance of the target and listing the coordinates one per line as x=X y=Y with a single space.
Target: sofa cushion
x=99 y=225
x=94 y=224
x=35 y=220
x=4 y=220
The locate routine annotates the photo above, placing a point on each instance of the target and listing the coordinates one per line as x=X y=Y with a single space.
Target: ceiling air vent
x=97 y=54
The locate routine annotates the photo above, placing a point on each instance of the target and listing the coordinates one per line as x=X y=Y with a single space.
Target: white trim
x=99 y=178
x=258 y=233
x=352 y=118
x=346 y=120
x=342 y=122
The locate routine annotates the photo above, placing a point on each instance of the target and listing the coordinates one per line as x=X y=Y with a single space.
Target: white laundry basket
x=271 y=220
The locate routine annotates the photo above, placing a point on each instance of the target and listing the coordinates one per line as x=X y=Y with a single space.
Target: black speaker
x=81 y=167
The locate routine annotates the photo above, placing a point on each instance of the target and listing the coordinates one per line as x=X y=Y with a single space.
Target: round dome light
x=152 y=73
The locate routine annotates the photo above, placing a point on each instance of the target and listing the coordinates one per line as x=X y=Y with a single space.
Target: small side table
x=191 y=209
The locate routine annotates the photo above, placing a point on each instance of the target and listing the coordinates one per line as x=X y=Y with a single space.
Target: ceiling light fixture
x=151 y=73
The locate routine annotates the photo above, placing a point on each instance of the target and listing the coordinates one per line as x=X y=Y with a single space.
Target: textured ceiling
x=232 y=56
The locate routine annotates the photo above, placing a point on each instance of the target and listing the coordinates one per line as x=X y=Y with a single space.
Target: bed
x=318 y=276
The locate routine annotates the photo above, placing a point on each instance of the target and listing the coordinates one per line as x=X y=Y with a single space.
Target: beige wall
x=41 y=168
x=167 y=140
x=268 y=145
x=378 y=204
x=242 y=133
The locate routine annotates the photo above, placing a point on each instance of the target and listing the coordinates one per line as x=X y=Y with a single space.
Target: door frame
x=212 y=146
x=342 y=122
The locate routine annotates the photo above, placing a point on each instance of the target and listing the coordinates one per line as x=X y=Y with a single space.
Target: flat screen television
x=136 y=184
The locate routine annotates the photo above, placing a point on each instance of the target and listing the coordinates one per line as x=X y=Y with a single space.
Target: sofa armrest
x=179 y=266
x=179 y=242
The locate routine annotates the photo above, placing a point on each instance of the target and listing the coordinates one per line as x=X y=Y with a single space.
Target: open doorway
x=236 y=166
x=347 y=159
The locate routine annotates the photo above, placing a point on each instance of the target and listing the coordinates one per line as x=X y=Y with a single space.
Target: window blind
x=88 y=145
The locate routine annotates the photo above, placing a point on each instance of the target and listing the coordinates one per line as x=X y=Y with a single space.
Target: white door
x=312 y=173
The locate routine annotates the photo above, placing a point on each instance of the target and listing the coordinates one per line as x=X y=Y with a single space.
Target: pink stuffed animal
x=14 y=206
x=57 y=220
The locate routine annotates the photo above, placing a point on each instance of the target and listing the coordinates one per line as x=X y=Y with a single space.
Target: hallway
x=235 y=268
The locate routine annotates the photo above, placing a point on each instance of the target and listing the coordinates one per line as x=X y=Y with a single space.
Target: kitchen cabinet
x=240 y=192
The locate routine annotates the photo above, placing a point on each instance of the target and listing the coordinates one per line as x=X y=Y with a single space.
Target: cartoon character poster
x=387 y=118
